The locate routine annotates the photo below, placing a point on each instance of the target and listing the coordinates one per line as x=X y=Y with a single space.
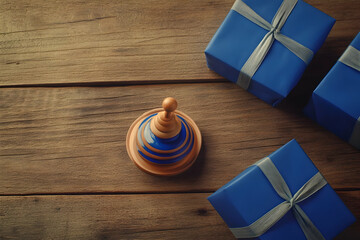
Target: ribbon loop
x=264 y=223
x=258 y=55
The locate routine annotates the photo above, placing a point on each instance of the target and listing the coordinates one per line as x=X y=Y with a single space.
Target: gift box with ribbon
x=264 y=46
x=335 y=103
x=282 y=196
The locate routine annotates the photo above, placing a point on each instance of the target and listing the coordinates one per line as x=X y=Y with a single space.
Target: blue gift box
x=335 y=103
x=250 y=195
x=281 y=69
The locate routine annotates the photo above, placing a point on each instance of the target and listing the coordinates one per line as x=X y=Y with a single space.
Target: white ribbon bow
x=274 y=28
x=265 y=222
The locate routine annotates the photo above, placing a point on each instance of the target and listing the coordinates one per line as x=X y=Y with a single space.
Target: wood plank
x=55 y=42
x=61 y=140
x=149 y=216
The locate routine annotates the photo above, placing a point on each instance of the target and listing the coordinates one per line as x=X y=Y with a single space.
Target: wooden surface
x=141 y=216
x=64 y=114
x=76 y=41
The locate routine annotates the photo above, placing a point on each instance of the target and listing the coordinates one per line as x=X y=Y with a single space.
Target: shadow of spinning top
x=164 y=141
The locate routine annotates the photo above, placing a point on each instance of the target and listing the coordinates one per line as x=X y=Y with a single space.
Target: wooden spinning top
x=164 y=141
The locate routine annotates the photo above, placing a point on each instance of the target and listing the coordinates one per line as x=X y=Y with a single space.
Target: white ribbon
x=351 y=58
x=274 y=28
x=264 y=223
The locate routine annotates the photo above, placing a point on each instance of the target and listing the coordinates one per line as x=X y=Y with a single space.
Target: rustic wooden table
x=75 y=74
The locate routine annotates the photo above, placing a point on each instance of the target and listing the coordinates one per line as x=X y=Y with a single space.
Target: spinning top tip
x=169 y=104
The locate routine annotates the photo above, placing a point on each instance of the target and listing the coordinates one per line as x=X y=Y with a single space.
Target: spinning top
x=164 y=141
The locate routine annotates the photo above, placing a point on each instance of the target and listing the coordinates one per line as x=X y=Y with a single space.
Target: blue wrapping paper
x=335 y=103
x=250 y=195
x=281 y=70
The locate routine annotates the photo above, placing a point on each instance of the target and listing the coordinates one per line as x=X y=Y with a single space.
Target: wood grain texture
x=64 y=170
x=61 y=140
x=149 y=216
x=67 y=42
